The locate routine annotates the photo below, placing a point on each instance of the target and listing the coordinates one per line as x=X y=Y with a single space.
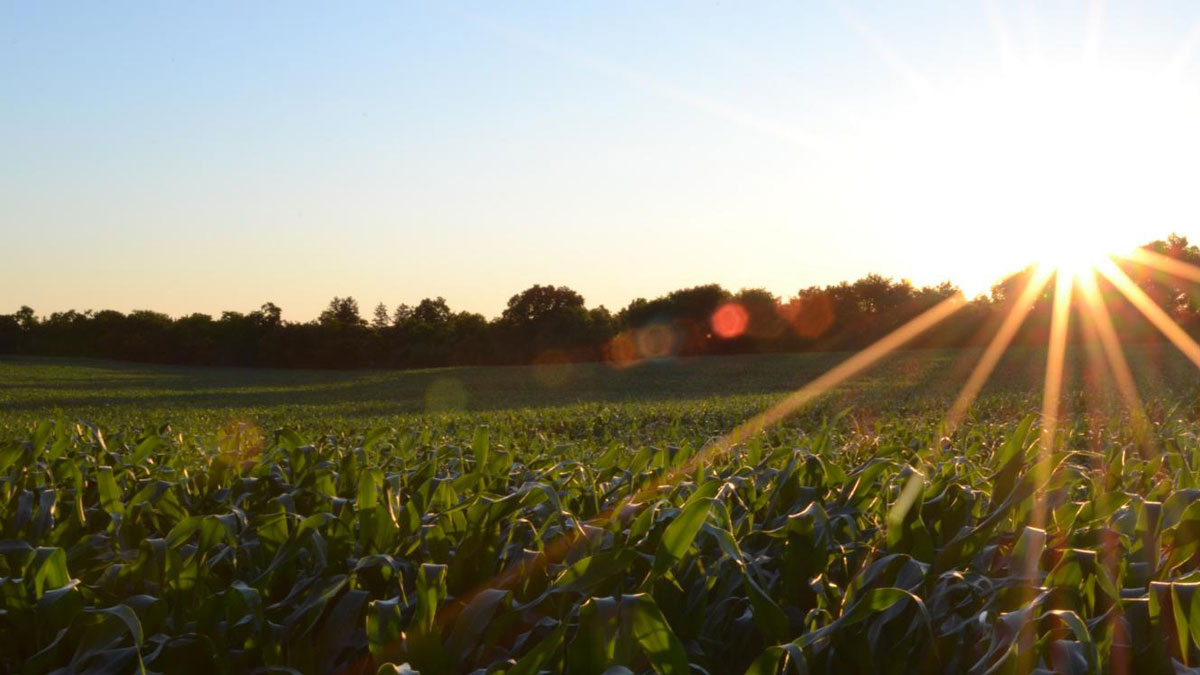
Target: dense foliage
x=553 y=324
x=503 y=541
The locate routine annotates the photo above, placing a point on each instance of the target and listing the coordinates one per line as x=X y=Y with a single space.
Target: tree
x=342 y=312
x=25 y=317
x=269 y=314
x=11 y=335
x=695 y=305
x=381 y=319
x=1175 y=297
x=877 y=295
x=402 y=314
x=539 y=302
x=433 y=312
x=762 y=309
x=554 y=323
x=542 y=318
x=688 y=313
x=424 y=335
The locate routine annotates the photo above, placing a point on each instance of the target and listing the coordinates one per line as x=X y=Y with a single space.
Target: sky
x=201 y=157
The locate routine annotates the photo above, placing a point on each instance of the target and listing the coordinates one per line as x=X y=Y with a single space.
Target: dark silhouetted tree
x=546 y=321
x=341 y=312
x=381 y=319
x=25 y=317
x=543 y=318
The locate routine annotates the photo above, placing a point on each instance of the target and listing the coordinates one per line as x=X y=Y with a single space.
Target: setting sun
x=1054 y=165
x=1077 y=257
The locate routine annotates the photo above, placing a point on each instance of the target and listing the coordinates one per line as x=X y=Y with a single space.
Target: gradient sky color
x=198 y=157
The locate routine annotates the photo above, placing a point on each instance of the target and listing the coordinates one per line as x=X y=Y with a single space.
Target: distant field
x=100 y=391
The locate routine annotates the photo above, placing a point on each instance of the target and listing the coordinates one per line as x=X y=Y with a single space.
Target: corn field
x=828 y=544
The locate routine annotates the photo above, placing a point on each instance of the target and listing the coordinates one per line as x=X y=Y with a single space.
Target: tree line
x=553 y=323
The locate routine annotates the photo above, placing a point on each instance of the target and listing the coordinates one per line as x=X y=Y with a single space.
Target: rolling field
x=32 y=387
x=583 y=519
x=110 y=392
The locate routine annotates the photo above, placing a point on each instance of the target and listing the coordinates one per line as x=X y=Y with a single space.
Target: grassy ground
x=205 y=399
x=32 y=388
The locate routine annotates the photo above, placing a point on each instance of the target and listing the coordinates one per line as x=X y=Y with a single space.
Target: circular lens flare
x=730 y=320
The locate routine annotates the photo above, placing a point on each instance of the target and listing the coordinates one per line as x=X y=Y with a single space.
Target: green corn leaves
x=682 y=530
x=110 y=494
x=600 y=540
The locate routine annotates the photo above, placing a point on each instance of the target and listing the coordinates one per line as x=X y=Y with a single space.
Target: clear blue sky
x=208 y=156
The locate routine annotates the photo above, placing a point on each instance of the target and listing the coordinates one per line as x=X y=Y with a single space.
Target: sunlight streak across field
x=1157 y=316
x=1056 y=166
x=1069 y=271
x=1052 y=388
x=1096 y=312
x=1097 y=322
x=996 y=348
x=856 y=364
x=837 y=375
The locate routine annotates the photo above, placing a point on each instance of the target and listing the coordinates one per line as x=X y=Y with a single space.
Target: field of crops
x=147 y=527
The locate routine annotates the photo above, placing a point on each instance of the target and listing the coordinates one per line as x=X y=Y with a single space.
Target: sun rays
x=998 y=345
x=1096 y=313
x=1075 y=290
x=1052 y=386
x=1156 y=315
x=1061 y=222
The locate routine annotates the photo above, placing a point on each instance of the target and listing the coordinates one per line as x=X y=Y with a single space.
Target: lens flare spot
x=809 y=316
x=621 y=351
x=691 y=338
x=552 y=369
x=730 y=320
x=656 y=341
x=446 y=394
